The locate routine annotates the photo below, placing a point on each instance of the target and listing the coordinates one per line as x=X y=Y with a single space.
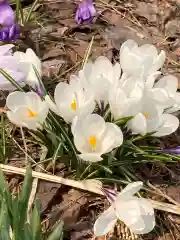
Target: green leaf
x=15 y=217
x=5 y=193
x=35 y=222
x=4 y=222
x=25 y=193
x=122 y=120
x=57 y=233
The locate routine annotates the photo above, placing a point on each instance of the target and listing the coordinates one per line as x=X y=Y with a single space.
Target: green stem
x=122 y=120
x=65 y=135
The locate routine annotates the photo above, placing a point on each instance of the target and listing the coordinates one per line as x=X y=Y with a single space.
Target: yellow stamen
x=92 y=141
x=146 y=115
x=73 y=105
x=32 y=114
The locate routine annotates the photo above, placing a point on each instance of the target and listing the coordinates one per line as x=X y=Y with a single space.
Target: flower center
x=92 y=141
x=146 y=115
x=32 y=114
x=73 y=105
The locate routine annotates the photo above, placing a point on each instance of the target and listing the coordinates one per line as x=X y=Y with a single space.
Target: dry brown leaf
x=46 y=192
x=147 y=10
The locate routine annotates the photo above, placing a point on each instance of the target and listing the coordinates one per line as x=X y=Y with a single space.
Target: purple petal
x=6 y=85
x=9 y=33
x=111 y=194
x=92 y=10
x=85 y=12
x=7 y=16
x=78 y=17
x=172 y=150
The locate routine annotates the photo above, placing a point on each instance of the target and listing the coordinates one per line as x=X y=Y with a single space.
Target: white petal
x=117 y=100
x=168 y=83
x=52 y=105
x=151 y=79
x=105 y=222
x=15 y=100
x=131 y=63
x=34 y=59
x=159 y=95
x=33 y=100
x=86 y=108
x=14 y=118
x=117 y=71
x=5 y=49
x=158 y=63
x=137 y=214
x=20 y=55
x=152 y=110
x=153 y=124
x=138 y=124
x=93 y=125
x=43 y=112
x=130 y=190
x=168 y=125
x=148 y=49
x=130 y=44
x=176 y=105
x=112 y=138
x=91 y=157
x=62 y=93
x=64 y=96
x=102 y=65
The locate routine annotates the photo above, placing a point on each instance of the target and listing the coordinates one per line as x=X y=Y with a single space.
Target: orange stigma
x=31 y=114
x=92 y=141
x=73 y=105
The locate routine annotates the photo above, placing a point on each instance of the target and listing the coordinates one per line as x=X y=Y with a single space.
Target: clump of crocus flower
x=9 y=30
x=85 y=12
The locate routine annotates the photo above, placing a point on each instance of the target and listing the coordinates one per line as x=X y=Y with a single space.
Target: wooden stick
x=83 y=186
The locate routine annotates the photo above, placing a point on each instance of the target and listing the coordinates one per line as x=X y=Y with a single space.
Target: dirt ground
x=61 y=44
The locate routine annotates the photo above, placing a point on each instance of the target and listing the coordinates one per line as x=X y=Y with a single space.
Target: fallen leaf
x=46 y=192
x=51 y=67
x=147 y=10
x=174 y=193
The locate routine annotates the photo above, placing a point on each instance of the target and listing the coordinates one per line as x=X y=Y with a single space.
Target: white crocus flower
x=136 y=213
x=26 y=109
x=30 y=57
x=94 y=137
x=140 y=61
x=152 y=119
x=125 y=97
x=98 y=76
x=71 y=100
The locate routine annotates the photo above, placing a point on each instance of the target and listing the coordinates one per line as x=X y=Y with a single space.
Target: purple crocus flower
x=9 y=30
x=175 y=150
x=11 y=65
x=85 y=12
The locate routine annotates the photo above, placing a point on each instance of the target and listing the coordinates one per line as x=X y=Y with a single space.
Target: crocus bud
x=8 y=29
x=85 y=12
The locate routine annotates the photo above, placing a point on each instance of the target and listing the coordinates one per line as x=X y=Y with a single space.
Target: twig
x=163 y=194
x=83 y=186
x=88 y=51
x=25 y=146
